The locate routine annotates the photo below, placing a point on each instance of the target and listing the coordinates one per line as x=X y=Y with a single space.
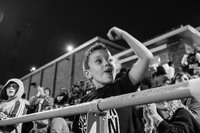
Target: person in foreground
x=191 y=103
x=12 y=105
x=171 y=117
x=99 y=68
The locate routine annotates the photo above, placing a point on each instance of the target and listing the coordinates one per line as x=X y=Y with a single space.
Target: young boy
x=99 y=68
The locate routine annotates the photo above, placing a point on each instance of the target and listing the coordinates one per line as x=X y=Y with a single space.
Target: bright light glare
x=33 y=69
x=70 y=48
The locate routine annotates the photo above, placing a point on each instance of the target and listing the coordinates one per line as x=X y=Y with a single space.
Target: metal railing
x=164 y=93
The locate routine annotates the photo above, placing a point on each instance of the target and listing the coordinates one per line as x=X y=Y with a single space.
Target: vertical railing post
x=96 y=119
x=96 y=122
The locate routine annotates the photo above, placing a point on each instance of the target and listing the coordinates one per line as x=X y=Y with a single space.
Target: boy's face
x=12 y=89
x=102 y=68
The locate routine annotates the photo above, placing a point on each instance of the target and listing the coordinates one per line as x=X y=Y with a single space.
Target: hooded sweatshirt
x=12 y=107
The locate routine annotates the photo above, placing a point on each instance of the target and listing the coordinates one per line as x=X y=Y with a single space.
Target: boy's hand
x=3 y=116
x=114 y=33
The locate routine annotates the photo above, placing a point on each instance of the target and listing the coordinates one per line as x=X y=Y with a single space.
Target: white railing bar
x=176 y=91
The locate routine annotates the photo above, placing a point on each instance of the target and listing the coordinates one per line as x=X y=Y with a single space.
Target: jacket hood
x=19 y=92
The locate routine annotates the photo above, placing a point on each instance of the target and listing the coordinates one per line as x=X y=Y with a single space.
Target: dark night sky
x=34 y=32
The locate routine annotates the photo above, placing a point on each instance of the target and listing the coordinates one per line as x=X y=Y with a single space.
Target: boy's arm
x=139 y=69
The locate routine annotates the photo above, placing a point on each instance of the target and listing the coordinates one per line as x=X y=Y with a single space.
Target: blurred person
x=76 y=94
x=12 y=104
x=160 y=77
x=138 y=119
x=192 y=103
x=170 y=117
x=26 y=126
x=170 y=70
x=191 y=61
x=34 y=89
x=82 y=85
x=146 y=83
x=61 y=99
x=90 y=88
x=99 y=68
x=61 y=124
x=42 y=102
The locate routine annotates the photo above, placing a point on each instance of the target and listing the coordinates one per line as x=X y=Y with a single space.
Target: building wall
x=64 y=72
x=176 y=51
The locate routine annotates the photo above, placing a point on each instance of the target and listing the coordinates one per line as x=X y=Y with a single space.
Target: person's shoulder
x=183 y=112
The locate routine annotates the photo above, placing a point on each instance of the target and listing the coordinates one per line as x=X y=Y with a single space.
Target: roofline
x=164 y=36
x=97 y=38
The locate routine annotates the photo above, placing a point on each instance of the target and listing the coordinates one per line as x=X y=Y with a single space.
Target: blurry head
x=75 y=88
x=160 y=70
x=98 y=65
x=170 y=63
x=47 y=91
x=33 y=85
x=146 y=83
x=82 y=83
x=62 y=90
x=160 y=78
x=167 y=108
x=181 y=77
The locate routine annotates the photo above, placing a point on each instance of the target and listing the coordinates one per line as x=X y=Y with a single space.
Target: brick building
x=67 y=69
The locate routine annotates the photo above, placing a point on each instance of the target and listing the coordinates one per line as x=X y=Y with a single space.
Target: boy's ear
x=87 y=74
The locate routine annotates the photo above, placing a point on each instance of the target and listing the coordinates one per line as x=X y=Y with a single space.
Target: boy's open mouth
x=109 y=70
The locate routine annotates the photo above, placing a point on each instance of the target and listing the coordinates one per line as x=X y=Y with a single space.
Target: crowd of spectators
x=180 y=115
x=43 y=101
x=154 y=117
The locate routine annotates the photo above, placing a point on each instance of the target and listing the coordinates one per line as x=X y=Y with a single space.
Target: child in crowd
x=42 y=102
x=170 y=70
x=99 y=68
x=12 y=105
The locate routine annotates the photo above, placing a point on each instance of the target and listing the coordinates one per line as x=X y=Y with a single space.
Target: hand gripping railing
x=190 y=88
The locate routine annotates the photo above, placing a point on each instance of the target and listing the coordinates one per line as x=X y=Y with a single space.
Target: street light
x=33 y=69
x=69 y=48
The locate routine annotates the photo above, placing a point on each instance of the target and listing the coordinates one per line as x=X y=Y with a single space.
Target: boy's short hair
x=96 y=46
x=160 y=70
